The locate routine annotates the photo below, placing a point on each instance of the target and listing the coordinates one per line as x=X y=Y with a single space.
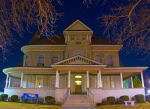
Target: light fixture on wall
x=78 y=82
x=78 y=76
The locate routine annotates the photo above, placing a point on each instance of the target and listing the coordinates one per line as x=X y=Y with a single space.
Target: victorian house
x=70 y=64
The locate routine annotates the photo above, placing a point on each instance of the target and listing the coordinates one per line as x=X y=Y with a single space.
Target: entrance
x=78 y=84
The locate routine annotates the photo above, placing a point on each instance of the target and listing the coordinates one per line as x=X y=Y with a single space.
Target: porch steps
x=78 y=107
x=77 y=100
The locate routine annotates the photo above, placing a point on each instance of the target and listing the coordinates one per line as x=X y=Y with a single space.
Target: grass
x=140 y=106
x=12 y=105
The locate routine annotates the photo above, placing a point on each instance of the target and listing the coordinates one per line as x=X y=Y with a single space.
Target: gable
x=78 y=26
x=78 y=60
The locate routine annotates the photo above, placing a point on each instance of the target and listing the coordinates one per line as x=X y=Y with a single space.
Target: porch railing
x=91 y=96
x=66 y=95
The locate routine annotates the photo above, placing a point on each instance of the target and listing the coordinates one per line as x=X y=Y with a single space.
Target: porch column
x=57 y=79
x=9 y=82
x=99 y=78
x=87 y=75
x=132 y=82
x=21 y=82
x=142 y=79
x=69 y=79
x=121 y=79
x=6 y=85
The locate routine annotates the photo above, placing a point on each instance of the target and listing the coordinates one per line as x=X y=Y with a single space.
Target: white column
x=21 y=82
x=142 y=79
x=9 y=82
x=57 y=79
x=121 y=78
x=132 y=82
x=6 y=85
x=87 y=75
x=99 y=78
x=69 y=79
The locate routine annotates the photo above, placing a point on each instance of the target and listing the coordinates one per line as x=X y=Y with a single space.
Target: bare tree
x=17 y=14
x=130 y=24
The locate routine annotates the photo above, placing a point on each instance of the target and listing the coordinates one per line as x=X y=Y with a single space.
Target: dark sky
x=73 y=10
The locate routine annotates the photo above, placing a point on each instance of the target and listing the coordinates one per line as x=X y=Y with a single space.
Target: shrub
x=139 y=98
x=148 y=98
x=49 y=100
x=3 y=97
x=124 y=98
x=14 y=98
x=119 y=101
x=105 y=102
x=111 y=99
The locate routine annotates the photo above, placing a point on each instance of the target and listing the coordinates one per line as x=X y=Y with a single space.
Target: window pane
x=109 y=60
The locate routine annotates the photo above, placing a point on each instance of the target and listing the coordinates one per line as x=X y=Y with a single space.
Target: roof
x=60 y=40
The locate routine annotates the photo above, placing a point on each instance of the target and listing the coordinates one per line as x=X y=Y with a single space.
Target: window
x=83 y=38
x=41 y=60
x=98 y=58
x=26 y=60
x=72 y=38
x=77 y=53
x=78 y=42
x=111 y=81
x=109 y=60
x=55 y=59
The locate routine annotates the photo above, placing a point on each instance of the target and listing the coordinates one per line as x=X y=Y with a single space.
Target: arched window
x=98 y=58
x=26 y=60
x=55 y=59
x=109 y=60
x=41 y=60
x=77 y=53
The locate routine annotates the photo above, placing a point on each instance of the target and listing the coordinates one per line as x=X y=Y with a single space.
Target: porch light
x=39 y=86
x=148 y=91
x=78 y=76
x=78 y=82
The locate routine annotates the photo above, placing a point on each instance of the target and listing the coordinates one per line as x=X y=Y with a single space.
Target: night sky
x=73 y=10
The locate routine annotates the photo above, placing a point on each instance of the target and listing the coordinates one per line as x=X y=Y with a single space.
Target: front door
x=78 y=84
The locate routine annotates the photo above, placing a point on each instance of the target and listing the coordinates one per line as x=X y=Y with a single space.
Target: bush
x=49 y=100
x=14 y=98
x=119 y=101
x=3 y=97
x=124 y=98
x=105 y=102
x=139 y=98
x=111 y=99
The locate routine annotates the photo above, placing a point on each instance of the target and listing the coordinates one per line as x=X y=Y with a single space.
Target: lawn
x=11 y=105
x=140 y=106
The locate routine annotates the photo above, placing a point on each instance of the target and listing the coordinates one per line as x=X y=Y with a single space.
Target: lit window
x=78 y=76
x=55 y=59
x=109 y=60
x=78 y=82
x=111 y=81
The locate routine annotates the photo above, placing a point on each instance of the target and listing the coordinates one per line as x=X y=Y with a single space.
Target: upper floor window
x=109 y=60
x=55 y=59
x=26 y=60
x=41 y=60
x=77 y=53
x=98 y=58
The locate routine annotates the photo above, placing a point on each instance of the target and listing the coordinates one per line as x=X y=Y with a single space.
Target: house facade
x=75 y=62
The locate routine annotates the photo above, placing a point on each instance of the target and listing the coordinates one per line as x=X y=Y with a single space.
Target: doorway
x=78 y=84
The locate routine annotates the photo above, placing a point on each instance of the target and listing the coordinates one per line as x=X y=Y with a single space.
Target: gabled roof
x=78 y=60
x=78 y=26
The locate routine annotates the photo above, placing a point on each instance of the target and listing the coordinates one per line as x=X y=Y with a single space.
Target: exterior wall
x=100 y=94
x=19 y=91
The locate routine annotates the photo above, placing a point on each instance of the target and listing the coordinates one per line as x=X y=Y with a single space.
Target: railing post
x=132 y=82
x=6 y=85
x=21 y=82
x=142 y=79
x=121 y=78
x=57 y=79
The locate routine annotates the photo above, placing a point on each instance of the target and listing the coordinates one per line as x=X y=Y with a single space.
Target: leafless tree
x=17 y=14
x=130 y=25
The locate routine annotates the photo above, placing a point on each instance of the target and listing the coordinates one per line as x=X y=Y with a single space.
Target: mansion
x=73 y=63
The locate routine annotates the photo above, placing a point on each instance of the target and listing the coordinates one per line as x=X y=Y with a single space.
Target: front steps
x=77 y=100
